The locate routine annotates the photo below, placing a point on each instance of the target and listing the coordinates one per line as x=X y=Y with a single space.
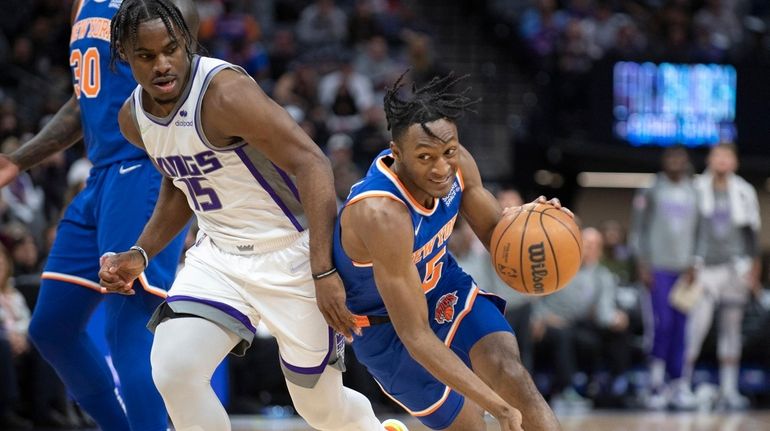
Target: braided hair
x=431 y=102
x=125 y=24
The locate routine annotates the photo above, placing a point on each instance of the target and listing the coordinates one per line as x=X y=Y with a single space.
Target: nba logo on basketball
x=537 y=262
x=445 y=308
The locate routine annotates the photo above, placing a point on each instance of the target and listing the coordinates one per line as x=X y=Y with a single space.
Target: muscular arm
x=235 y=107
x=384 y=229
x=171 y=213
x=64 y=130
x=170 y=216
x=478 y=207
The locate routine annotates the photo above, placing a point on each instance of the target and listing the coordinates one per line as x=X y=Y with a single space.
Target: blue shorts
x=109 y=215
x=474 y=315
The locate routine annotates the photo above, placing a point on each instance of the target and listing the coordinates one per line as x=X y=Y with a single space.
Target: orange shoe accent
x=394 y=425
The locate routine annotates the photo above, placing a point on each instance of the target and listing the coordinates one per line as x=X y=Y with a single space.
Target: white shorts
x=238 y=291
x=727 y=283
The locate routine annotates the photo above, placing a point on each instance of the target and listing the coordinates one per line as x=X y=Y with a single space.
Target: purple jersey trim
x=265 y=185
x=227 y=309
x=312 y=370
x=288 y=181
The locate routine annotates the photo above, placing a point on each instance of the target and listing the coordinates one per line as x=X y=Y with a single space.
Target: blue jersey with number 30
x=99 y=94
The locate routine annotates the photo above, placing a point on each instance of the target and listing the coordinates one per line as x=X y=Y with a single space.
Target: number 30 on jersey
x=87 y=72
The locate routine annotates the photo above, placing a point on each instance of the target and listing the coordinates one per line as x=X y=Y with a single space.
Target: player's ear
x=395 y=150
x=121 y=52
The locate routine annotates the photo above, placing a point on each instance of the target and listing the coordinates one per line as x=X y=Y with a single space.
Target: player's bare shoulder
x=226 y=103
x=129 y=127
x=374 y=220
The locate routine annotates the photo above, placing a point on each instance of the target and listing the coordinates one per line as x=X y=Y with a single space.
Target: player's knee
x=169 y=373
x=316 y=412
x=42 y=333
x=510 y=371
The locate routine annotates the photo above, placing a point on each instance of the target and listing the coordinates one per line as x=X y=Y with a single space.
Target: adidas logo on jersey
x=183 y=123
x=249 y=247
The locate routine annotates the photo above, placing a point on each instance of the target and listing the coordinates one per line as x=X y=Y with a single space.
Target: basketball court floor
x=588 y=421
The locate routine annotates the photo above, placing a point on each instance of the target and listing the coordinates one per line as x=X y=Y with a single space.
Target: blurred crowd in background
x=327 y=63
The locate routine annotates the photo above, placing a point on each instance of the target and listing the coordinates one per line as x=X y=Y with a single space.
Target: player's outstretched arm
x=479 y=207
x=384 y=229
x=172 y=211
x=61 y=132
x=235 y=107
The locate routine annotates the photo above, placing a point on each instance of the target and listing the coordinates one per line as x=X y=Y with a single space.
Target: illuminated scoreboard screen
x=665 y=104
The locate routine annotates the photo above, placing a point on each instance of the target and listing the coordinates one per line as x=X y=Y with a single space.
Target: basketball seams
x=521 y=251
x=544 y=212
x=550 y=246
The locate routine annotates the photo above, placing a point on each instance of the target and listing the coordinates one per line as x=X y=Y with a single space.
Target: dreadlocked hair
x=431 y=102
x=125 y=24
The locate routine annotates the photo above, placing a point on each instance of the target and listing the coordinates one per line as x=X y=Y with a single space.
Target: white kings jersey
x=242 y=200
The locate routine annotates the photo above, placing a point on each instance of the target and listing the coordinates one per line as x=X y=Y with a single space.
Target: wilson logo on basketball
x=445 y=308
x=537 y=262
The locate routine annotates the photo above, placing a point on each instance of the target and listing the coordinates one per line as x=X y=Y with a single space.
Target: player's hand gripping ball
x=536 y=249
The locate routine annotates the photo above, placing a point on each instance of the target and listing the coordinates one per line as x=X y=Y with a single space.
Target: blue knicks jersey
x=432 y=226
x=99 y=90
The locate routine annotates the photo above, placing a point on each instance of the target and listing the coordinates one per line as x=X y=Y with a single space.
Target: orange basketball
x=536 y=249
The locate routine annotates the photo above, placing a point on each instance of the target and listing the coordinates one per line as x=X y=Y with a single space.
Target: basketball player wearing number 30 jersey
x=107 y=215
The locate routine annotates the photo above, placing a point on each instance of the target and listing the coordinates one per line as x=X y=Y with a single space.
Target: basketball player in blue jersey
x=434 y=342
x=263 y=195
x=107 y=215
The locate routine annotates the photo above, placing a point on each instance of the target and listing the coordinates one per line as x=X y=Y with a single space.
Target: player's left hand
x=119 y=270
x=542 y=200
x=330 y=297
x=554 y=202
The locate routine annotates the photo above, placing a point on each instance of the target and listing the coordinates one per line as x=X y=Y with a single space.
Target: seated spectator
x=581 y=322
x=346 y=95
x=617 y=255
x=322 y=24
x=14 y=323
x=375 y=63
x=339 y=149
x=283 y=51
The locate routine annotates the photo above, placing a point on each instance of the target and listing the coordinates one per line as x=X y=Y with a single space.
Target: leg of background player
x=61 y=313
x=130 y=342
x=185 y=353
x=698 y=325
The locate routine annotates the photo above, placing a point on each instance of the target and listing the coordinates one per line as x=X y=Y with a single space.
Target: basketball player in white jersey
x=263 y=196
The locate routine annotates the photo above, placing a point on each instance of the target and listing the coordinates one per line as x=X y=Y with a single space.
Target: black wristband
x=143 y=253
x=320 y=275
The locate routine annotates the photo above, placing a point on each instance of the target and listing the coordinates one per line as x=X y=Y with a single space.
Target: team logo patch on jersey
x=445 y=308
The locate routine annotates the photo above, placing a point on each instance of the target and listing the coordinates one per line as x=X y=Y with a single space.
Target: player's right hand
x=509 y=419
x=330 y=298
x=119 y=270
x=8 y=170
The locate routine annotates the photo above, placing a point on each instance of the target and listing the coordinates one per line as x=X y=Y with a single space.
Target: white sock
x=657 y=373
x=728 y=379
